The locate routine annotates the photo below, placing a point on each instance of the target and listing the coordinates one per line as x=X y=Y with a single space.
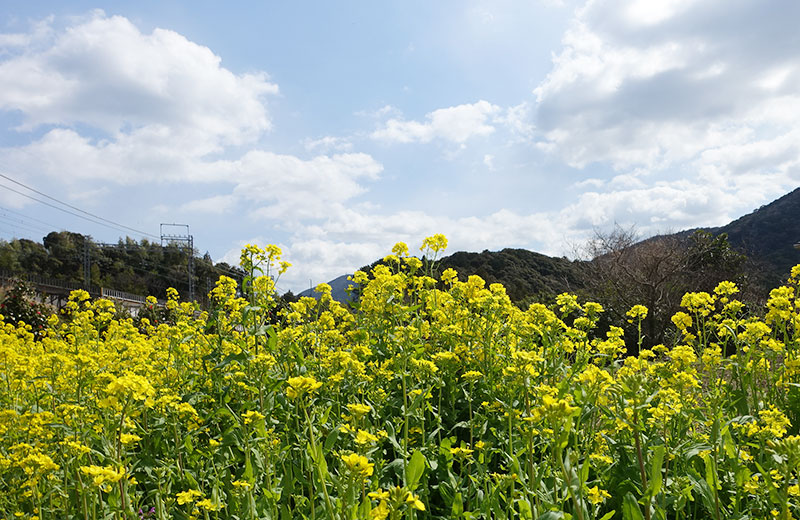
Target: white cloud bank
x=455 y=124
x=124 y=107
x=698 y=102
x=105 y=73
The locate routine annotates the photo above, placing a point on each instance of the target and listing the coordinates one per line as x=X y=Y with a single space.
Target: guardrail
x=121 y=295
x=44 y=282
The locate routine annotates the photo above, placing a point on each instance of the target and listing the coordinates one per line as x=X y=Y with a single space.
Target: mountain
x=767 y=236
x=338 y=289
x=526 y=275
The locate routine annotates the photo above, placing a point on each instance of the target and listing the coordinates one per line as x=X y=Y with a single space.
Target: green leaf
x=630 y=508
x=188 y=444
x=331 y=439
x=702 y=488
x=248 y=470
x=584 y=473
x=364 y=508
x=711 y=476
x=656 y=479
x=609 y=515
x=458 y=506
x=415 y=469
x=525 y=510
x=318 y=458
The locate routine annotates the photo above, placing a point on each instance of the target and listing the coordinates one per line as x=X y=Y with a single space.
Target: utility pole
x=87 y=264
x=185 y=242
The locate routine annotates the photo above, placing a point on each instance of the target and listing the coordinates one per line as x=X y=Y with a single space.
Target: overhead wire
x=103 y=219
x=23 y=224
x=48 y=224
x=58 y=208
x=108 y=223
x=90 y=217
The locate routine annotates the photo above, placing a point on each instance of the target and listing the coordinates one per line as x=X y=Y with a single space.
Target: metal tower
x=185 y=242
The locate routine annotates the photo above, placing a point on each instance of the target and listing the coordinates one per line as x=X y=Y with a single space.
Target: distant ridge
x=525 y=274
x=338 y=289
x=767 y=236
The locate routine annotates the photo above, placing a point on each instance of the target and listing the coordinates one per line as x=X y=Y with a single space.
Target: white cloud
x=640 y=84
x=328 y=144
x=215 y=205
x=455 y=124
x=103 y=72
x=291 y=189
x=694 y=104
x=164 y=105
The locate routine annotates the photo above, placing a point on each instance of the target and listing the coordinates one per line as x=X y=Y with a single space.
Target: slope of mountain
x=524 y=274
x=338 y=289
x=767 y=236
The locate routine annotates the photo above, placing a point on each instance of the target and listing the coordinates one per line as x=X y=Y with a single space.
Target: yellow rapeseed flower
x=358 y=465
x=364 y=437
x=252 y=416
x=597 y=495
x=301 y=385
x=637 y=312
x=359 y=410
x=186 y=497
x=103 y=474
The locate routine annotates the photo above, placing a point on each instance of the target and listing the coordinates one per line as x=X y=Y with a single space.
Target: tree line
x=138 y=267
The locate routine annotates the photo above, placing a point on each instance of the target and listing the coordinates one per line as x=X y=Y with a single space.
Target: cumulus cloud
x=105 y=73
x=653 y=84
x=123 y=107
x=695 y=104
x=455 y=124
x=292 y=189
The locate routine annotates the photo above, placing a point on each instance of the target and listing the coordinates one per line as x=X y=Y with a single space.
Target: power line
x=23 y=215
x=31 y=228
x=22 y=222
x=59 y=209
x=117 y=224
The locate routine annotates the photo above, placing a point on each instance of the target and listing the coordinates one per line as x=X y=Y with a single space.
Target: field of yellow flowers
x=429 y=399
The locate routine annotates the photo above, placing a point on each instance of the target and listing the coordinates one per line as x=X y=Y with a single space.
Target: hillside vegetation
x=143 y=268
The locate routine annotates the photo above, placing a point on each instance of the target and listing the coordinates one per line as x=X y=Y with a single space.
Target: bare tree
x=656 y=272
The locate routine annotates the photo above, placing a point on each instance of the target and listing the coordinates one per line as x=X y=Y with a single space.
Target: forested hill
x=768 y=235
x=143 y=268
x=526 y=275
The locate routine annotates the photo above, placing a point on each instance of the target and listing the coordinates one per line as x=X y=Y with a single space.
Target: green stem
x=640 y=458
x=329 y=509
x=575 y=503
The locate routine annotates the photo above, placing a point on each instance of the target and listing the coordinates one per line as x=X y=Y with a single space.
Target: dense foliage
x=18 y=305
x=431 y=399
x=527 y=276
x=767 y=236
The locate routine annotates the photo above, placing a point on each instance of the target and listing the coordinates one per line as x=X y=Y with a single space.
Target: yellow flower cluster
x=428 y=390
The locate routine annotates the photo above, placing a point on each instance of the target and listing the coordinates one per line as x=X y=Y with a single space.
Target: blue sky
x=336 y=129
